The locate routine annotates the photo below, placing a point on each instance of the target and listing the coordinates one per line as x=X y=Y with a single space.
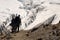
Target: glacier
x=47 y=6
x=33 y=12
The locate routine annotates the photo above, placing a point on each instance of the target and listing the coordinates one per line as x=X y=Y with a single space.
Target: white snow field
x=56 y=9
x=31 y=8
x=54 y=1
x=52 y=7
x=44 y=17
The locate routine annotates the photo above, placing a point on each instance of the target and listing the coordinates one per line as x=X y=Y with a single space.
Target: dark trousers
x=18 y=28
x=15 y=28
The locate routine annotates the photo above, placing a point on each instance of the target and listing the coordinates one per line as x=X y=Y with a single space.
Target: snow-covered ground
x=54 y=7
x=56 y=10
x=31 y=11
x=44 y=18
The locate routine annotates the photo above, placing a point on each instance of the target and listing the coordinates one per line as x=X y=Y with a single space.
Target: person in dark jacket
x=15 y=23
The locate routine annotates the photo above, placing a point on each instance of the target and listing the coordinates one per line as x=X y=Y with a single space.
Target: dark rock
x=40 y=39
x=34 y=29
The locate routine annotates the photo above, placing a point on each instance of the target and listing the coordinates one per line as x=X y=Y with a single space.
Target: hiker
x=12 y=22
x=15 y=23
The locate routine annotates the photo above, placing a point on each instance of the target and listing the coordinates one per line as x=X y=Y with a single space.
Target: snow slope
x=11 y=5
x=8 y=7
x=56 y=9
x=42 y=18
x=54 y=1
x=53 y=7
x=29 y=8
